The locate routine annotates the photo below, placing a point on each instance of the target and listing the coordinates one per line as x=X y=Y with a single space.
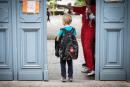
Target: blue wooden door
x=6 y=66
x=111 y=40
x=31 y=38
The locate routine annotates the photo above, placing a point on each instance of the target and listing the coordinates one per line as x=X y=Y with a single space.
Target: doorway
x=53 y=26
x=53 y=61
x=111 y=43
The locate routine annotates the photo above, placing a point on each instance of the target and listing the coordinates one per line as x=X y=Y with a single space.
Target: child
x=66 y=21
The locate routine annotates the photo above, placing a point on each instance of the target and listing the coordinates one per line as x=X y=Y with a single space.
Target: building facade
x=23 y=40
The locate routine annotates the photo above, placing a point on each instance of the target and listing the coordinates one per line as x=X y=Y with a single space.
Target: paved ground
x=56 y=83
x=54 y=64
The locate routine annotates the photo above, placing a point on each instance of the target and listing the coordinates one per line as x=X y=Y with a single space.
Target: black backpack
x=57 y=46
x=68 y=45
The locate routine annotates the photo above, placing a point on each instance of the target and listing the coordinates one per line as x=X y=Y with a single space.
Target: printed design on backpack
x=69 y=45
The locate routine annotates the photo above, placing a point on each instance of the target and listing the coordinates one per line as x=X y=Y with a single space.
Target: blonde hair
x=67 y=19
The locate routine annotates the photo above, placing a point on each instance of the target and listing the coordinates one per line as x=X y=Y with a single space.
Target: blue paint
x=23 y=52
x=30 y=44
x=111 y=34
x=6 y=67
x=23 y=41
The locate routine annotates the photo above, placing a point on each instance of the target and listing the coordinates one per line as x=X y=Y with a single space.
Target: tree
x=52 y=5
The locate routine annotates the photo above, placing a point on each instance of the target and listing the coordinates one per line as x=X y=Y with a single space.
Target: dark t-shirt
x=48 y=13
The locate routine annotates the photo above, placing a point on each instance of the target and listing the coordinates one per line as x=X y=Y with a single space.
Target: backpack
x=57 y=46
x=68 y=45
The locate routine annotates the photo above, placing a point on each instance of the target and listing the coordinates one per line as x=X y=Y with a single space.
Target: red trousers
x=87 y=36
x=88 y=43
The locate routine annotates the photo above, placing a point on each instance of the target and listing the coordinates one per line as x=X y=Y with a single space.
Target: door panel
x=113 y=12
x=6 y=70
x=113 y=64
x=29 y=32
x=111 y=33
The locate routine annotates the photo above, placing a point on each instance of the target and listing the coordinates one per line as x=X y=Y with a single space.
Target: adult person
x=69 y=9
x=48 y=15
x=88 y=33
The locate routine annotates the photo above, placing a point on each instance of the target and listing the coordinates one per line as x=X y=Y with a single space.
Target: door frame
x=128 y=41
x=14 y=36
x=45 y=73
x=97 y=37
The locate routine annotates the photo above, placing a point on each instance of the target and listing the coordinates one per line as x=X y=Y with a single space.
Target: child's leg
x=70 y=68
x=63 y=67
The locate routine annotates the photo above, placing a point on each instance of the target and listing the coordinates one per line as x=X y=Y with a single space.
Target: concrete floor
x=54 y=64
x=57 y=83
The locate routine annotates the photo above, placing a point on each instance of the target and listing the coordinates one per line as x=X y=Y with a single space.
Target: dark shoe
x=70 y=79
x=63 y=79
x=84 y=70
x=84 y=65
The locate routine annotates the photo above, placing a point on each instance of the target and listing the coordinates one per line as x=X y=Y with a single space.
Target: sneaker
x=91 y=73
x=84 y=70
x=70 y=79
x=63 y=79
x=84 y=65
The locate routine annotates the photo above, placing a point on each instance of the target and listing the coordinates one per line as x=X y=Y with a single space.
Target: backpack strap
x=71 y=31
x=65 y=31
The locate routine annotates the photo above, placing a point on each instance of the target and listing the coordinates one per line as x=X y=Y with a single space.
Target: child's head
x=67 y=19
